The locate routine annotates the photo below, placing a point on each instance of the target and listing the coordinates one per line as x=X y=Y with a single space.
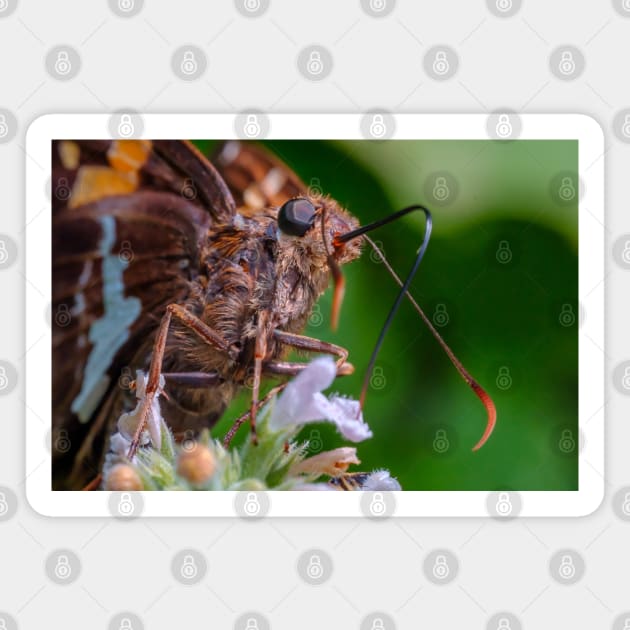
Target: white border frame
x=318 y=126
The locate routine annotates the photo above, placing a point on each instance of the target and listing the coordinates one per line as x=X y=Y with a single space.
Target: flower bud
x=123 y=477
x=196 y=464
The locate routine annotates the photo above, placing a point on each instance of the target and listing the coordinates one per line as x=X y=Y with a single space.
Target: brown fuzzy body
x=248 y=268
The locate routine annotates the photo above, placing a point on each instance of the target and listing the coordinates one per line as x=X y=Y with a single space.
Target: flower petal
x=331 y=463
x=381 y=480
x=302 y=402
x=128 y=422
x=299 y=401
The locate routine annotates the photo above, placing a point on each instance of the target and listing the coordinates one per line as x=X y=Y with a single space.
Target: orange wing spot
x=95 y=182
x=128 y=155
x=69 y=154
x=253 y=197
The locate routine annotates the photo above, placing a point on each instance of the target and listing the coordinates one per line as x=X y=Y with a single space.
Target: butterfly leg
x=260 y=351
x=281 y=368
x=290 y=368
x=202 y=330
x=310 y=344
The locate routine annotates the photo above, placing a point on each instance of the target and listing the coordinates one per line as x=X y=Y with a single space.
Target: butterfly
x=201 y=272
x=232 y=251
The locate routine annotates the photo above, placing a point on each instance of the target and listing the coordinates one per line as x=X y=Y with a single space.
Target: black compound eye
x=296 y=216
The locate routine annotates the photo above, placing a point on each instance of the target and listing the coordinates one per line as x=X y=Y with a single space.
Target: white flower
x=381 y=480
x=302 y=402
x=128 y=422
x=119 y=444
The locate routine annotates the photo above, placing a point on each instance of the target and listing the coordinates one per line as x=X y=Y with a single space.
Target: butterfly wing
x=255 y=177
x=128 y=221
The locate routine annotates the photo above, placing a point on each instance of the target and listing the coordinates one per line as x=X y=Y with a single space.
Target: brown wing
x=129 y=217
x=256 y=179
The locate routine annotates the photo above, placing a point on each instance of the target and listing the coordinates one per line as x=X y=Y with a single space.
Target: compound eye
x=296 y=216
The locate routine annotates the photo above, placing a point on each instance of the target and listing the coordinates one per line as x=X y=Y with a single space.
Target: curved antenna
x=344 y=238
x=488 y=403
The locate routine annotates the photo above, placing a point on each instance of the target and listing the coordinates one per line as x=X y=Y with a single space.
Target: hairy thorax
x=250 y=270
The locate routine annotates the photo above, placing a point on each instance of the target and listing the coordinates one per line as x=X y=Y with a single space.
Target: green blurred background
x=499 y=280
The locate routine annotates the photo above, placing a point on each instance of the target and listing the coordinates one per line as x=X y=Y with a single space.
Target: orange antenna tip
x=488 y=403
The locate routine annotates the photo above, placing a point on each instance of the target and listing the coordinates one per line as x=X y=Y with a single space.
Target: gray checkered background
x=99 y=56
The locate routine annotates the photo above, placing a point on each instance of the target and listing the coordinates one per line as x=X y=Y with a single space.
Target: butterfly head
x=311 y=226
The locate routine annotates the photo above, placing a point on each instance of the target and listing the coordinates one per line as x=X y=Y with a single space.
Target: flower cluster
x=277 y=461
